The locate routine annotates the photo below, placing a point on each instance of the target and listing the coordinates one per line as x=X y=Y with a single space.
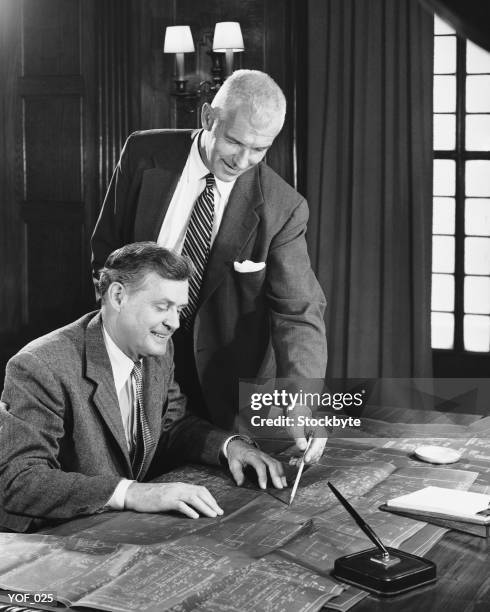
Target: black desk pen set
x=381 y=570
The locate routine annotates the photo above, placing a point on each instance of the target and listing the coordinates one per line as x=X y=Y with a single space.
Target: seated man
x=93 y=409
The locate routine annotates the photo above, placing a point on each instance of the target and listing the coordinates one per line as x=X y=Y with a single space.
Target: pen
x=300 y=471
x=362 y=524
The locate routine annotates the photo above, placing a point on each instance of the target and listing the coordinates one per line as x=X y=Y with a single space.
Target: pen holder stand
x=399 y=573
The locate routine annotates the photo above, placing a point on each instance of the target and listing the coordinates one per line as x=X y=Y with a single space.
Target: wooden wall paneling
x=151 y=71
x=48 y=169
x=90 y=142
x=51 y=35
x=113 y=44
x=10 y=180
x=113 y=82
x=52 y=147
x=54 y=234
x=136 y=67
x=52 y=94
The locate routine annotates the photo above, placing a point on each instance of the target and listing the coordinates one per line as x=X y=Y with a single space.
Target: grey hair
x=255 y=89
x=131 y=263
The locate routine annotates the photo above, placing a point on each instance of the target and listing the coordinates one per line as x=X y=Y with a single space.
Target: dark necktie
x=197 y=244
x=144 y=439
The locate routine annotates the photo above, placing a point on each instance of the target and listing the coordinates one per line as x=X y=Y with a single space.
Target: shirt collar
x=198 y=169
x=121 y=364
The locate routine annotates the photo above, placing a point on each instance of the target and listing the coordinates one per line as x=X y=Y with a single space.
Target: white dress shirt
x=191 y=184
x=122 y=366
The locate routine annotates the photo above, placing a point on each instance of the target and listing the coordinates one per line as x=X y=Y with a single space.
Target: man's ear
x=208 y=116
x=116 y=295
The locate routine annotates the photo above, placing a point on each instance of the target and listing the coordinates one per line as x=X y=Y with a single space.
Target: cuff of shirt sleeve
x=246 y=439
x=118 y=498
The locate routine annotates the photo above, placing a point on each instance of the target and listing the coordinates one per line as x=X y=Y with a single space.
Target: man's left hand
x=241 y=455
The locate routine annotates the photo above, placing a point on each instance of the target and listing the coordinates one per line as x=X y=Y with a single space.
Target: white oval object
x=437 y=454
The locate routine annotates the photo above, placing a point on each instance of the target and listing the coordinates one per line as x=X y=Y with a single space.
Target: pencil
x=300 y=471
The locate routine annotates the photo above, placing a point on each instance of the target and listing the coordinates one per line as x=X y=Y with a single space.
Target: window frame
x=458 y=362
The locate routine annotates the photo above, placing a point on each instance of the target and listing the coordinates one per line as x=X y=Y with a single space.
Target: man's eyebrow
x=230 y=137
x=235 y=140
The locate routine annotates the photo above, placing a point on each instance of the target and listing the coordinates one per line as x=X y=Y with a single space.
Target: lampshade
x=227 y=37
x=178 y=39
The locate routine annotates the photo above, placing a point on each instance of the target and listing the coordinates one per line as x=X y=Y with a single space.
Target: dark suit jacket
x=62 y=443
x=248 y=325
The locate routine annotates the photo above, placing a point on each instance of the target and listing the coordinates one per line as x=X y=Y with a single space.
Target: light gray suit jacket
x=62 y=443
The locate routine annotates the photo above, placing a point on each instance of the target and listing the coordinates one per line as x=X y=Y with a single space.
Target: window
x=461 y=197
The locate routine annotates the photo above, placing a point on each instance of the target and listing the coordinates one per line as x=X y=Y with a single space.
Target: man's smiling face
x=233 y=143
x=149 y=315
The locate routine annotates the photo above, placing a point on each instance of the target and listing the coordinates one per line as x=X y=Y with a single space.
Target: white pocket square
x=248 y=266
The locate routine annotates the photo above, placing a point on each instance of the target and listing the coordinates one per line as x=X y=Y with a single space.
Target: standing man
x=92 y=409
x=255 y=306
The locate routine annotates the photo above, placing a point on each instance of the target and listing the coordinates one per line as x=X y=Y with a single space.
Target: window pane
x=443 y=216
x=442 y=326
x=477 y=59
x=477 y=217
x=443 y=292
x=476 y=256
x=477 y=178
x=445 y=94
x=476 y=333
x=444 y=54
x=441 y=27
x=476 y=295
x=477 y=93
x=444 y=177
x=442 y=254
x=444 y=132
x=477 y=132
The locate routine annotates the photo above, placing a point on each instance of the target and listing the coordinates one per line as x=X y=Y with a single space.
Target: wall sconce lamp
x=178 y=40
x=227 y=39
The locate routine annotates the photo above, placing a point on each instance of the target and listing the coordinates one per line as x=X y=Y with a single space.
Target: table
x=463 y=563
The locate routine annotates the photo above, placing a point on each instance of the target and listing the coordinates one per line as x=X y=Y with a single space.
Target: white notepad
x=444 y=502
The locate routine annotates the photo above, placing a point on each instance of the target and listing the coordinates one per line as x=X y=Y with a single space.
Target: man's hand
x=164 y=497
x=316 y=447
x=241 y=454
x=301 y=435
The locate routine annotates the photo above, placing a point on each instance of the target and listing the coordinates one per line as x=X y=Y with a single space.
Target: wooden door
x=48 y=174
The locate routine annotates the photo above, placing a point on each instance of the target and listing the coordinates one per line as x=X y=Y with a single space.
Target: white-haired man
x=256 y=308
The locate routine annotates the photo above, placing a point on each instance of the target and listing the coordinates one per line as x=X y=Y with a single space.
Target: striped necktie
x=144 y=440
x=197 y=244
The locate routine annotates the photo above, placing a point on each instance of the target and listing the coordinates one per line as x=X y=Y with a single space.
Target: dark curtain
x=369 y=185
x=470 y=18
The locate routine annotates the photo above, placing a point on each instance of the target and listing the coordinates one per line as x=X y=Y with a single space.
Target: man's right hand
x=165 y=497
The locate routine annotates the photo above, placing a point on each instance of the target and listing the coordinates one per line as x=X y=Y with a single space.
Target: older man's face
x=149 y=315
x=233 y=144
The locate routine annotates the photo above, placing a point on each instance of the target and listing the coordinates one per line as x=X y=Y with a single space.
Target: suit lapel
x=239 y=221
x=157 y=188
x=98 y=369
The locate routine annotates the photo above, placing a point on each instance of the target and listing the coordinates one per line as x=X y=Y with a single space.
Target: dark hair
x=129 y=265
